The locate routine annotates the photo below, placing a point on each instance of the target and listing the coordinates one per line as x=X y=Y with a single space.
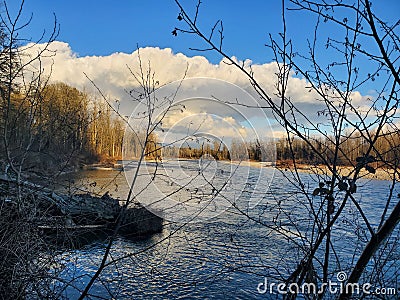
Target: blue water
x=225 y=257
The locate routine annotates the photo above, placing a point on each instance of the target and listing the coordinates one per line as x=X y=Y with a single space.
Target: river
x=223 y=253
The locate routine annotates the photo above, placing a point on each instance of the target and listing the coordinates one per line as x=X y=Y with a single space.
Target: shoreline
x=380 y=174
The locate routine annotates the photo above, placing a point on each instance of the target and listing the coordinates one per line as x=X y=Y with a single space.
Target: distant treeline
x=60 y=125
x=281 y=150
x=350 y=148
x=237 y=150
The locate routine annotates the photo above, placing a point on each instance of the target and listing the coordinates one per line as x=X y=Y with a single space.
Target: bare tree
x=19 y=75
x=19 y=91
x=144 y=154
x=333 y=189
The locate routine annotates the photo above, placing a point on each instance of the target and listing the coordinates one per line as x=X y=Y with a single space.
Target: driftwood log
x=72 y=216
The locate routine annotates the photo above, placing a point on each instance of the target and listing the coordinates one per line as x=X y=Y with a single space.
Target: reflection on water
x=223 y=257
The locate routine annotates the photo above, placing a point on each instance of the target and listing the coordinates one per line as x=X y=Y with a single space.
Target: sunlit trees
x=105 y=131
x=62 y=122
x=62 y=127
x=153 y=149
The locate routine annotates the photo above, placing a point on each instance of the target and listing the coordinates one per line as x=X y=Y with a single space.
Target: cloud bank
x=111 y=72
x=112 y=75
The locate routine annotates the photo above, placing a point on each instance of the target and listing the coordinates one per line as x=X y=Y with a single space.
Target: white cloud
x=112 y=76
x=193 y=122
x=189 y=124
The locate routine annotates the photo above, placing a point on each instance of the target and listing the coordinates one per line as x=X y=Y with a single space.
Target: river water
x=223 y=253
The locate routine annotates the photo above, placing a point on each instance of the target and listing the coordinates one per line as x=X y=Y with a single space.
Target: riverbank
x=348 y=171
x=110 y=166
x=380 y=173
x=68 y=215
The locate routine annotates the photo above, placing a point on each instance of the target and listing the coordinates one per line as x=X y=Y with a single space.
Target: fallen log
x=69 y=215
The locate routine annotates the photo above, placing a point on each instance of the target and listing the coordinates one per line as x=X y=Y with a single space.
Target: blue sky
x=103 y=27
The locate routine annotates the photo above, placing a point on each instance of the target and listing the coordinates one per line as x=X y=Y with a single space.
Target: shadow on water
x=76 y=239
